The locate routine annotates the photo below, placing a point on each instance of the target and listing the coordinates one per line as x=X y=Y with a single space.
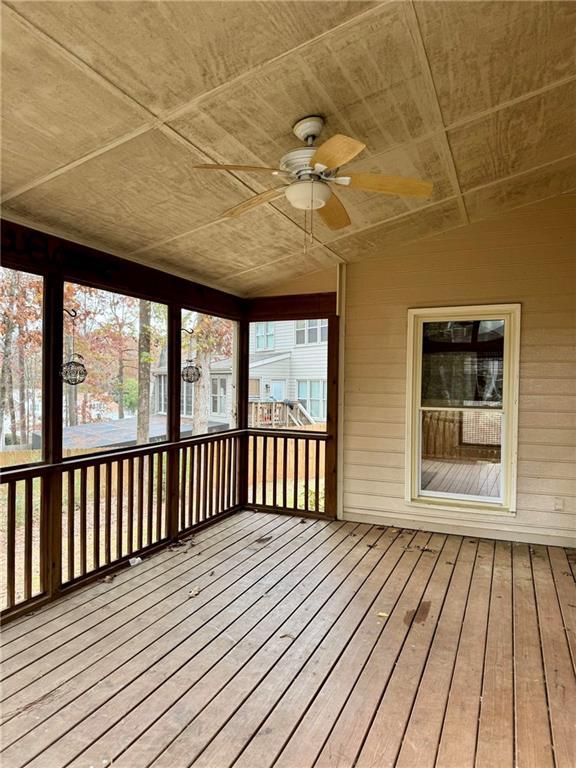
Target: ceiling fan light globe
x=308 y=195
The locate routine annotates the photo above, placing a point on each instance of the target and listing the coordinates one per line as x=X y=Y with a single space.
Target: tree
x=144 y=360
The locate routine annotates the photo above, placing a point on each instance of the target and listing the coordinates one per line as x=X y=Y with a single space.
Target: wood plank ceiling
x=106 y=105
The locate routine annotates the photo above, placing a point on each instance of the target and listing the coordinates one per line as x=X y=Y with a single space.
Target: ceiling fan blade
x=233 y=167
x=333 y=214
x=253 y=202
x=336 y=151
x=387 y=185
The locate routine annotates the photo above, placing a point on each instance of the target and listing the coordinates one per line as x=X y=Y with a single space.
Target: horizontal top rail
x=97 y=459
x=304 y=434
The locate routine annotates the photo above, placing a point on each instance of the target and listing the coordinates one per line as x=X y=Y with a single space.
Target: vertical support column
x=331 y=461
x=243 y=377
x=51 y=498
x=174 y=384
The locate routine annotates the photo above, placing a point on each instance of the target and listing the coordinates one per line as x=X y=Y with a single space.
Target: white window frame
x=265 y=330
x=323 y=400
x=510 y=313
x=221 y=398
x=322 y=322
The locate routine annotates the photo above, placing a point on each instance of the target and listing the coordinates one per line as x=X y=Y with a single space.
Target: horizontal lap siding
x=526 y=257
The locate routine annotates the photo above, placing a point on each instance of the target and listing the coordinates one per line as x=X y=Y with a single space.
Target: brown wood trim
x=33 y=251
x=331 y=457
x=292 y=307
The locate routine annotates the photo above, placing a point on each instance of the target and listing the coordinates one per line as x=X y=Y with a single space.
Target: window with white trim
x=264 y=336
x=312 y=395
x=312 y=331
x=462 y=409
x=218 y=396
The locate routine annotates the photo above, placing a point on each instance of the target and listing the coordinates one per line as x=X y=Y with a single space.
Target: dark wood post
x=243 y=372
x=330 y=488
x=51 y=501
x=174 y=384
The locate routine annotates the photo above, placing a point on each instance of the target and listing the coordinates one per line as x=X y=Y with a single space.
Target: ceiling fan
x=310 y=173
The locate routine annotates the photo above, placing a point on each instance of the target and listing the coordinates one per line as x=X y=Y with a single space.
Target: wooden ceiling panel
x=53 y=112
x=550 y=181
x=512 y=140
x=366 y=79
x=231 y=246
x=425 y=160
x=140 y=192
x=167 y=53
x=373 y=242
x=297 y=264
x=485 y=53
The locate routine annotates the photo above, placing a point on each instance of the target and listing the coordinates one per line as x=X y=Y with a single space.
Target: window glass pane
x=324 y=331
x=281 y=378
x=461 y=453
x=312 y=335
x=463 y=363
x=122 y=401
x=21 y=302
x=212 y=348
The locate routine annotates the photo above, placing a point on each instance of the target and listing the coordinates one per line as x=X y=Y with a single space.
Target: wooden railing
x=286 y=470
x=269 y=415
x=113 y=506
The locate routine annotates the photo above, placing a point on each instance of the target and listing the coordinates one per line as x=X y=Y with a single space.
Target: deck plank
x=307 y=645
x=558 y=669
x=566 y=590
x=496 y=727
x=422 y=735
x=321 y=699
x=457 y=748
x=346 y=737
x=533 y=737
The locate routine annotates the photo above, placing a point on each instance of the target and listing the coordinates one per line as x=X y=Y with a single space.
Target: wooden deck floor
x=473 y=478
x=276 y=642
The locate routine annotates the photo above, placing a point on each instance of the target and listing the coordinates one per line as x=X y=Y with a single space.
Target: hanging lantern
x=191 y=373
x=74 y=371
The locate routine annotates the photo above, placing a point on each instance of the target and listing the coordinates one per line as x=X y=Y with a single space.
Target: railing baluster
x=218 y=488
x=71 y=531
x=284 y=471
x=108 y=514
x=83 y=521
x=96 y=528
x=130 y=505
x=140 y=496
x=264 y=469
x=159 y=495
x=11 y=546
x=204 y=511
x=306 y=474
x=119 y=508
x=28 y=527
x=296 y=473
x=253 y=441
x=198 y=449
x=274 y=470
x=317 y=478
x=183 y=483
x=150 y=483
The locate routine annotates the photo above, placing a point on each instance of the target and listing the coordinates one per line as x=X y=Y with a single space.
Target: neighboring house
x=288 y=367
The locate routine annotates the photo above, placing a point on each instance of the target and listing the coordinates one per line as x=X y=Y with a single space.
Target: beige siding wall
x=527 y=257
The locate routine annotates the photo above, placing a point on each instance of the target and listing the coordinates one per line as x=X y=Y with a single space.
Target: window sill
x=443 y=505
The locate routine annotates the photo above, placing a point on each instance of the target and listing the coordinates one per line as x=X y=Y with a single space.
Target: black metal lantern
x=74 y=371
x=191 y=373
